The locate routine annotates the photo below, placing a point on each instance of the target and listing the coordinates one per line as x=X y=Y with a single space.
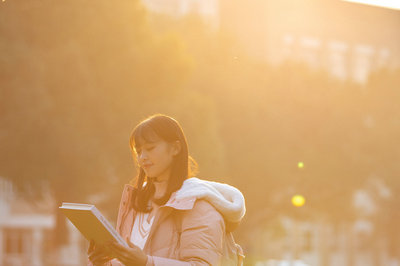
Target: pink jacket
x=191 y=227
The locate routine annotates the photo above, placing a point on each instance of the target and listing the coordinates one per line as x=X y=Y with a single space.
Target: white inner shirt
x=141 y=229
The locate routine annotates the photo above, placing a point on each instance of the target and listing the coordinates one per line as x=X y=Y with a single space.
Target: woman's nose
x=142 y=156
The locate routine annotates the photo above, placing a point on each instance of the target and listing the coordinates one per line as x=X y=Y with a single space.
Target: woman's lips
x=147 y=166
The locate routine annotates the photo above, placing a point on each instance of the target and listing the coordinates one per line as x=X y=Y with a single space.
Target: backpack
x=232 y=252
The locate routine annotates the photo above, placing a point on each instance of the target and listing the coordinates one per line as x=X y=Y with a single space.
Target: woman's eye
x=150 y=148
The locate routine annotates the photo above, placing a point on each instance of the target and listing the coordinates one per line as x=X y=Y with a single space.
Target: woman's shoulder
x=202 y=205
x=203 y=210
x=202 y=215
x=226 y=199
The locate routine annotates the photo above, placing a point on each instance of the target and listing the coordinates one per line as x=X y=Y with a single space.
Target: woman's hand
x=97 y=254
x=128 y=256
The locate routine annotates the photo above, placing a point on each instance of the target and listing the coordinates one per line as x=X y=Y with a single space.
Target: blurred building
x=208 y=9
x=347 y=40
x=361 y=240
x=26 y=233
x=320 y=243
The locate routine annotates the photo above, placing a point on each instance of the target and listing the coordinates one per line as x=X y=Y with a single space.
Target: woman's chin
x=150 y=175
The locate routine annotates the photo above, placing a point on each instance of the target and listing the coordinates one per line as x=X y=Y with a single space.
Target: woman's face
x=156 y=158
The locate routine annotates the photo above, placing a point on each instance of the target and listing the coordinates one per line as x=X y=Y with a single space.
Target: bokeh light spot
x=298 y=200
x=300 y=165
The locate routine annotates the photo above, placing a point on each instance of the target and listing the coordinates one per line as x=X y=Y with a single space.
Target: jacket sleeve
x=201 y=239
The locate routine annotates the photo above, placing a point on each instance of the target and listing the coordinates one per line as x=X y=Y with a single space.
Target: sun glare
x=393 y=4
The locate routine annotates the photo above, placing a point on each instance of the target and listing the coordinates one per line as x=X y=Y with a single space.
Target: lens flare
x=298 y=200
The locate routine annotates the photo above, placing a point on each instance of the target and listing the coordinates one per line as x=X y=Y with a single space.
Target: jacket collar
x=180 y=204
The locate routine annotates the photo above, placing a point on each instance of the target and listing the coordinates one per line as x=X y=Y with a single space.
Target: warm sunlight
x=393 y=4
x=289 y=120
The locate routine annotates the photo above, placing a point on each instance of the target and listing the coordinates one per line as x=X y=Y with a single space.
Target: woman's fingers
x=128 y=256
x=122 y=253
x=99 y=255
x=98 y=258
x=130 y=244
x=116 y=250
x=91 y=246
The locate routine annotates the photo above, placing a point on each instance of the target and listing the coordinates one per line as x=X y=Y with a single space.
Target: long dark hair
x=183 y=166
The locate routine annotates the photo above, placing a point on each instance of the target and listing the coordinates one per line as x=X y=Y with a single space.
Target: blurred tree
x=75 y=76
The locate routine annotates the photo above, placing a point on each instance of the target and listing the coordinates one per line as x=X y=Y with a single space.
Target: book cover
x=91 y=223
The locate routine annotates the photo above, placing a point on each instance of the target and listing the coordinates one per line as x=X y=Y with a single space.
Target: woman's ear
x=176 y=146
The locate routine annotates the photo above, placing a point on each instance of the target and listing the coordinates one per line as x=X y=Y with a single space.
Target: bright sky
x=393 y=4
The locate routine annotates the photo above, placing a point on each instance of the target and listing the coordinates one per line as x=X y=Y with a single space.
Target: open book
x=91 y=223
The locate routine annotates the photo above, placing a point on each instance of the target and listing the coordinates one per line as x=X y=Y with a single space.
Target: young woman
x=167 y=216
